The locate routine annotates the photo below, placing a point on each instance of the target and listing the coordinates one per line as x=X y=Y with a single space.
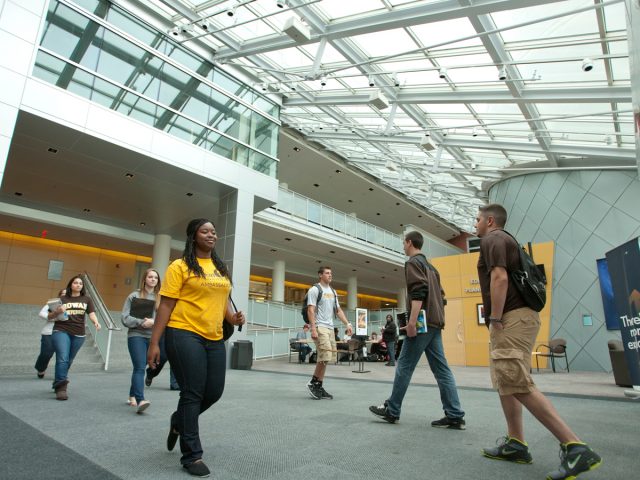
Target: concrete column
x=161 y=253
x=352 y=293
x=235 y=229
x=277 y=281
x=402 y=300
x=633 y=35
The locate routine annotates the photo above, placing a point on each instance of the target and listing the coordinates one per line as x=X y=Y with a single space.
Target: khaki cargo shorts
x=510 y=351
x=326 y=345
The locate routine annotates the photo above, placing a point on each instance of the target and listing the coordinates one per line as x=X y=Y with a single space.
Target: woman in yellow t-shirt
x=193 y=305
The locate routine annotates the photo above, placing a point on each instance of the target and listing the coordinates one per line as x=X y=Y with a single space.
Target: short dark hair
x=416 y=239
x=322 y=269
x=496 y=211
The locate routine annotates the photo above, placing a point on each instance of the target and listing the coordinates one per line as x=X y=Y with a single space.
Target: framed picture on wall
x=480 y=308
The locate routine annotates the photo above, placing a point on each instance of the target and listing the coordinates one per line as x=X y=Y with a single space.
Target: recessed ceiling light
x=370 y=189
x=318 y=261
x=17 y=194
x=316 y=185
x=52 y=150
x=287 y=239
x=350 y=201
x=273 y=250
x=377 y=213
x=382 y=277
x=189 y=194
x=354 y=270
x=332 y=251
x=402 y=224
x=419 y=216
x=296 y=149
x=86 y=209
x=338 y=171
x=367 y=261
x=395 y=269
x=397 y=203
x=143 y=224
x=128 y=175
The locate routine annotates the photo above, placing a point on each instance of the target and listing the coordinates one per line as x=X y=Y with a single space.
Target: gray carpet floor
x=266 y=428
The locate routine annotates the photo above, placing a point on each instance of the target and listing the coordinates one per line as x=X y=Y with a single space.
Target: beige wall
x=24 y=265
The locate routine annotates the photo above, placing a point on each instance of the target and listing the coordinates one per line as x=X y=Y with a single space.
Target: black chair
x=294 y=346
x=557 y=348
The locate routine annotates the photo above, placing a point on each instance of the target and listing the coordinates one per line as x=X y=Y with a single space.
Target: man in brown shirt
x=513 y=328
x=424 y=292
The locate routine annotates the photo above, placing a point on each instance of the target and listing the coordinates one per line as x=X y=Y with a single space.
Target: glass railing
x=271 y=325
x=318 y=214
x=102 y=337
x=82 y=53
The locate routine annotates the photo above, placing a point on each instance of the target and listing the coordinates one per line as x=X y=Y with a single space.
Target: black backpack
x=529 y=280
x=305 y=302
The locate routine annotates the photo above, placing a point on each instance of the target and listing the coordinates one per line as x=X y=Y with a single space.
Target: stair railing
x=102 y=337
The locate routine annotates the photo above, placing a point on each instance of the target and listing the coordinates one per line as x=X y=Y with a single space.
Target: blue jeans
x=66 y=347
x=412 y=348
x=200 y=366
x=391 y=350
x=303 y=351
x=46 y=352
x=138 y=347
x=154 y=372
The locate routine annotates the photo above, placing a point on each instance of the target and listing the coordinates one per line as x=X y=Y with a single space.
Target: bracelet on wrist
x=496 y=320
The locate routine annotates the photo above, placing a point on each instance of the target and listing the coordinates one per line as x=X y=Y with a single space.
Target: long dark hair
x=68 y=292
x=189 y=252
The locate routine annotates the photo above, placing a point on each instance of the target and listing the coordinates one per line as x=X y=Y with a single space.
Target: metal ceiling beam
x=385 y=20
x=550 y=95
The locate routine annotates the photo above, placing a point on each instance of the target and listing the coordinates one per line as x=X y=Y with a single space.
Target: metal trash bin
x=242 y=355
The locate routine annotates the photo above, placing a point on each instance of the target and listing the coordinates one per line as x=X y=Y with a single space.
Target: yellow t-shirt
x=202 y=302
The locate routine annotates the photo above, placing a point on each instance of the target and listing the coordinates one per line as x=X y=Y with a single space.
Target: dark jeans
x=200 y=366
x=66 y=347
x=391 y=348
x=138 y=347
x=46 y=352
x=303 y=351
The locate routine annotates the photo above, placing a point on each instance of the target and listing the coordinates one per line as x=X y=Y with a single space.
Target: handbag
x=228 y=328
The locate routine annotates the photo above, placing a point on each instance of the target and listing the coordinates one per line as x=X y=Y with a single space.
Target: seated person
x=378 y=346
x=303 y=347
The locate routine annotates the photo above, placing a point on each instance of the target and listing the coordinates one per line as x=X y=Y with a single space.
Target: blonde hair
x=143 y=283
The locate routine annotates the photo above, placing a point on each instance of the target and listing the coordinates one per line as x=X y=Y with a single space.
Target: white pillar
x=277 y=281
x=161 y=253
x=352 y=293
x=402 y=300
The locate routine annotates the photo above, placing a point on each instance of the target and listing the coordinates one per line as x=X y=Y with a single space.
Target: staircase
x=20 y=344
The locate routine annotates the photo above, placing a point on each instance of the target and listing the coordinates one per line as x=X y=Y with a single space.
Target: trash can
x=242 y=355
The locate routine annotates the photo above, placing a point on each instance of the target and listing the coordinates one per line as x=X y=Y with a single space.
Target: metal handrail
x=102 y=312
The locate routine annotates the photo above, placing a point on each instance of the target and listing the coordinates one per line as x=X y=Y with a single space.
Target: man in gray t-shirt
x=322 y=310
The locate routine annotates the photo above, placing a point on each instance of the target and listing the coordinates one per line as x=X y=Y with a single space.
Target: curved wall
x=586 y=213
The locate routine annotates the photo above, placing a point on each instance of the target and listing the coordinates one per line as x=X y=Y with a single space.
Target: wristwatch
x=496 y=320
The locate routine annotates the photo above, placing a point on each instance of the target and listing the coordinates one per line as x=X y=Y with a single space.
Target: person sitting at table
x=303 y=347
x=378 y=346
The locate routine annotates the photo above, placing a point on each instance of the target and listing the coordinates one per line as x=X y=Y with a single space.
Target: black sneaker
x=314 y=390
x=383 y=412
x=575 y=458
x=148 y=379
x=452 y=423
x=324 y=395
x=197 y=469
x=172 y=438
x=510 y=449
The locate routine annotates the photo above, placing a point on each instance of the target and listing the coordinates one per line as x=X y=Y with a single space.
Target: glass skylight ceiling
x=437 y=69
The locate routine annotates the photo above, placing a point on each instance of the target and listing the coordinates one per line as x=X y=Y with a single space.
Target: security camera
x=502 y=74
x=587 y=65
x=372 y=82
x=175 y=32
x=395 y=80
x=323 y=81
x=231 y=11
x=204 y=25
x=442 y=73
x=281 y=4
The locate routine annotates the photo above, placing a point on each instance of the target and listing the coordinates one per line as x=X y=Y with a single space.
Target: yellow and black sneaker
x=575 y=458
x=510 y=450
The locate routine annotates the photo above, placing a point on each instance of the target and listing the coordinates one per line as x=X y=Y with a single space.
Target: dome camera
x=323 y=81
x=281 y=4
x=442 y=73
x=587 y=65
x=372 y=82
x=231 y=11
